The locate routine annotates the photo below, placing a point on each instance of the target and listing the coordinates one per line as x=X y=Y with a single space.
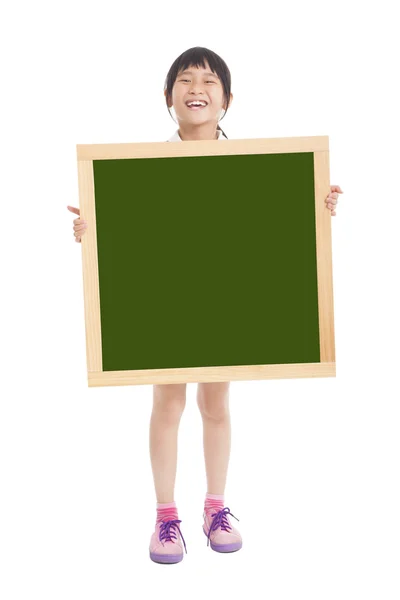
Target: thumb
x=74 y=210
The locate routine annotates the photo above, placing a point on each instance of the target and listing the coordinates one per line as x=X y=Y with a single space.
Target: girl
x=198 y=86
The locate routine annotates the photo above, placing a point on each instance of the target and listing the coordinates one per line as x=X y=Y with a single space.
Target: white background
x=314 y=468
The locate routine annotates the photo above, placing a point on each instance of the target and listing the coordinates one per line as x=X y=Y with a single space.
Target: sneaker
x=165 y=545
x=219 y=531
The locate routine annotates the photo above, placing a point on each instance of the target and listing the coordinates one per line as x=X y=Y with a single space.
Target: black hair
x=195 y=57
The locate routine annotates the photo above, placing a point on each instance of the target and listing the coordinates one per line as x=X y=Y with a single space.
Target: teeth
x=196 y=103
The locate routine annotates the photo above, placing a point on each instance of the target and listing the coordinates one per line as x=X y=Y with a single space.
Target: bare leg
x=169 y=401
x=213 y=402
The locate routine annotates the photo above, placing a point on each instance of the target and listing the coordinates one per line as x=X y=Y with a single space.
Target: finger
x=336 y=188
x=74 y=210
x=79 y=227
x=79 y=222
x=77 y=239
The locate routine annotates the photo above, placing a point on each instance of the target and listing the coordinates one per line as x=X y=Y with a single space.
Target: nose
x=195 y=88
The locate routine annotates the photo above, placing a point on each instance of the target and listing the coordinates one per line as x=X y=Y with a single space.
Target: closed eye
x=209 y=81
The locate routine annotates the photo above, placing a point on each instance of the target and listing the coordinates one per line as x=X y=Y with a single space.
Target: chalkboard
x=207 y=262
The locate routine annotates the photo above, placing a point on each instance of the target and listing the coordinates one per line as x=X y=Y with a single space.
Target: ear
x=230 y=101
x=169 y=101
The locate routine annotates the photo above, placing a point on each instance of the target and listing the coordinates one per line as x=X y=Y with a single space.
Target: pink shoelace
x=220 y=520
x=167 y=531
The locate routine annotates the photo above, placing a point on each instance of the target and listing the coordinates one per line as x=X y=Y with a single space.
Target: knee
x=169 y=401
x=213 y=401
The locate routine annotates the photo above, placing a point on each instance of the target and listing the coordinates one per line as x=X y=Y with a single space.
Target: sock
x=166 y=511
x=213 y=502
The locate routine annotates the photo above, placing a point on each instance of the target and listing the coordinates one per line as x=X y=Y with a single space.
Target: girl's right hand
x=80 y=225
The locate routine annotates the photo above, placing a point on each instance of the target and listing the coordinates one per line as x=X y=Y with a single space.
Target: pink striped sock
x=166 y=511
x=213 y=502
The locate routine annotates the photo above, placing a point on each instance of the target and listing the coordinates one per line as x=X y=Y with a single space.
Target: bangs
x=197 y=57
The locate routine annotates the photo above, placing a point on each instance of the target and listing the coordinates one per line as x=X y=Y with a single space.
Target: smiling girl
x=198 y=87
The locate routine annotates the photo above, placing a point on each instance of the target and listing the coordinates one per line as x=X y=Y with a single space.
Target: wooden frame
x=319 y=146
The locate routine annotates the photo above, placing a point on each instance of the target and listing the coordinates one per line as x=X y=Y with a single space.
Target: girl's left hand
x=332 y=198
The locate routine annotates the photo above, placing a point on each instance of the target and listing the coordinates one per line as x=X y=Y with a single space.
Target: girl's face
x=197 y=83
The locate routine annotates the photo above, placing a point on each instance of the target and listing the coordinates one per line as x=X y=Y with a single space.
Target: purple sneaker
x=219 y=531
x=165 y=545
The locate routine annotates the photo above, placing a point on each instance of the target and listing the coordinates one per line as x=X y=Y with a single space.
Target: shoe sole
x=224 y=547
x=166 y=558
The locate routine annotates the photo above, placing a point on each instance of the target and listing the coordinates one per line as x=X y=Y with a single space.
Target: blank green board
x=207 y=261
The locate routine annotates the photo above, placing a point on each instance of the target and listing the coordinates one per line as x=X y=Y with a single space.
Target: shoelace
x=166 y=533
x=220 y=520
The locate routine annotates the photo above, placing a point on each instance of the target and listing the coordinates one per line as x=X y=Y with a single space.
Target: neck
x=205 y=131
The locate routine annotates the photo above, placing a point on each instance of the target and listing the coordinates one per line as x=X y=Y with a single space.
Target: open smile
x=196 y=107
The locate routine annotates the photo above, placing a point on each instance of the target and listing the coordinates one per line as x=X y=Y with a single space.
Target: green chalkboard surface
x=207 y=261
